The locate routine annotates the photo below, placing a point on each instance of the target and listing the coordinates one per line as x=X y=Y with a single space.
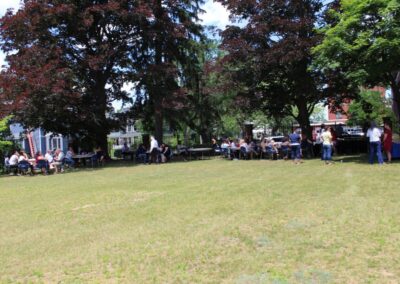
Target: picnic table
x=199 y=150
x=130 y=154
x=84 y=157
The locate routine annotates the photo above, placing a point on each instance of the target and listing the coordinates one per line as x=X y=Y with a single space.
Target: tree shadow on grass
x=359 y=159
x=97 y=168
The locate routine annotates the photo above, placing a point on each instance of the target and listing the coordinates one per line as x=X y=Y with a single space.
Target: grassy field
x=204 y=222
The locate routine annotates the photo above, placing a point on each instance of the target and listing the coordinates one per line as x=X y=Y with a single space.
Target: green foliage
x=318 y=114
x=230 y=126
x=369 y=107
x=363 y=42
x=5 y=144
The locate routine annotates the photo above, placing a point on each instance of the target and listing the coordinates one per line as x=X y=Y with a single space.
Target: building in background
x=128 y=135
x=38 y=139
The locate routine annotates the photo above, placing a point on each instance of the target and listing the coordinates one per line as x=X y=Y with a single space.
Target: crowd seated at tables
x=266 y=148
x=53 y=161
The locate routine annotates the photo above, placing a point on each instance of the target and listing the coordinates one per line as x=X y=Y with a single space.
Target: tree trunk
x=303 y=118
x=205 y=136
x=102 y=142
x=158 y=119
x=158 y=91
x=102 y=128
x=395 y=87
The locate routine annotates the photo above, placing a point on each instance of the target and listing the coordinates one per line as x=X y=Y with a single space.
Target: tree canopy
x=69 y=60
x=370 y=106
x=269 y=58
x=363 y=42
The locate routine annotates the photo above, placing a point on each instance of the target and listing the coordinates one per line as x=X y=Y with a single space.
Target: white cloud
x=4 y=5
x=215 y=15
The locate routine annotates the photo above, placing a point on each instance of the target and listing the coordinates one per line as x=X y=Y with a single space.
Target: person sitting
x=41 y=163
x=265 y=148
x=14 y=163
x=99 y=157
x=244 y=149
x=7 y=163
x=23 y=163
x=234 y=150
x=50 y=159
x=214 y=145
x=285 y=148
x=69 y=161
x=58 y=161
x=253 y=149
x=125 y=148
x=126 y=151
x=225 y=148
x=263 y=143
x=141 y=154
x=165 y=153
x=273 y=150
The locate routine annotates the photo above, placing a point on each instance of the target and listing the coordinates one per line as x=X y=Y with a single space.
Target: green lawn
x=204 y=222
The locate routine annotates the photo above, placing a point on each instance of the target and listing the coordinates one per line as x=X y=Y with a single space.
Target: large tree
x=269 y=57
x=68 y=61
x=170 y=50
x=363 y=41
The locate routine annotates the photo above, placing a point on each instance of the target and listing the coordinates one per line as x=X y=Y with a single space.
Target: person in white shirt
x=23 y=163
x=154 y=150
x=21 y=158
x=13 y=161
x=49 y=157
x=58 y=161
x=374 y=134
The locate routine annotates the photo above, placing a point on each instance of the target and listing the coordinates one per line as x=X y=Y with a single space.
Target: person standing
x=154 y=150
x=387 y=141
x=295 y=139
x=326 y=138
x=321 y=131
x=374 y=134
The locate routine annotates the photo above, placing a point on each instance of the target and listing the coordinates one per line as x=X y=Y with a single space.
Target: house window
x=339 y=115
x=129 y=128
x=55 y=143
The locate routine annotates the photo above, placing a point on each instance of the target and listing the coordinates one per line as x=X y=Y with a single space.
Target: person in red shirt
x=387 y=141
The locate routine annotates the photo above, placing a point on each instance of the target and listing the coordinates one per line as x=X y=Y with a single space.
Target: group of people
x=19 y=162
x=296 y=145
x=155 y=154
x=377 y=139
x=246 y=148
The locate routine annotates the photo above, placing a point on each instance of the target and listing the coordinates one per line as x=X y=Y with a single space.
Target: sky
x=215 y=15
